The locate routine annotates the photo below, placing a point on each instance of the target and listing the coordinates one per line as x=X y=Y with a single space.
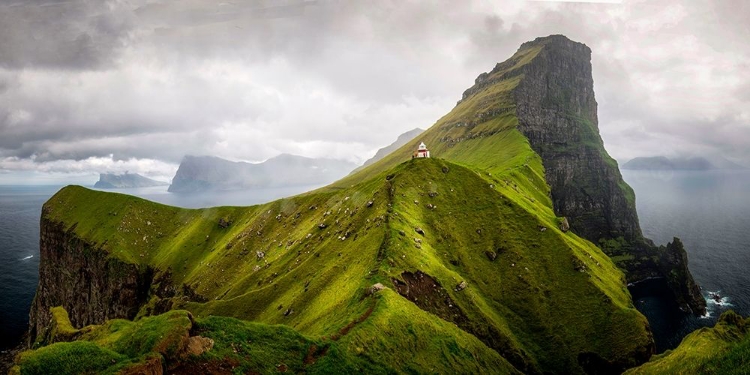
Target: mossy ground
x=307 y=262
x=109 y=348
x=549 y=295
x=243 y=347
x=723 y=349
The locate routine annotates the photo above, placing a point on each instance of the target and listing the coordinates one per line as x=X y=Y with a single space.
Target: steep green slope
x=481 y=132
x=179 y=343
x=541 y=298
x=723 y=349
x=530 y=125
x=475 y=271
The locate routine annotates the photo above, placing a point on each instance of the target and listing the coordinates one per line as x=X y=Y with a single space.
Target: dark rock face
x=91 y=286
x=557 y=112
x=674 y=265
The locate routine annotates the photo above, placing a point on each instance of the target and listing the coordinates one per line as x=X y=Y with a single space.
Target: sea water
x=20 y=209
x=708 y=211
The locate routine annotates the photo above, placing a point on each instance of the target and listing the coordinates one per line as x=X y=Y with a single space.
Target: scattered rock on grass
x=198 y=345
x=461 y=286
x=376 y=288
x=564 y=225
x=224 y=223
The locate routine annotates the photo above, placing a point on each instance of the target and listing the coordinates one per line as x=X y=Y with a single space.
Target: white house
x=422 y=151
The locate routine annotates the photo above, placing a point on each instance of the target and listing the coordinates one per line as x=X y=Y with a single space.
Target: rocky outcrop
x=674 y=266
x=557 y=112
x=90 y=285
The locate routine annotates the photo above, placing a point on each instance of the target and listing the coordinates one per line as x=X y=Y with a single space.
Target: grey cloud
x=61 y=34
x=247 y=80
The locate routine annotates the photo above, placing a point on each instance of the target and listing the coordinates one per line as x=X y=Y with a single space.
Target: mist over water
x=708 y=211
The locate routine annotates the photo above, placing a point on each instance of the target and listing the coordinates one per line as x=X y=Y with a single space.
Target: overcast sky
x=110 y=86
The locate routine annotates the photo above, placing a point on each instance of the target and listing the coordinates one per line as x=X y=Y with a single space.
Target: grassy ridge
x=548 y=295
x=241 y=347
x=535 y=296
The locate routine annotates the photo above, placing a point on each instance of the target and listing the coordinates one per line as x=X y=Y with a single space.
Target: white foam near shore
x=716 y=299
x=28 y=257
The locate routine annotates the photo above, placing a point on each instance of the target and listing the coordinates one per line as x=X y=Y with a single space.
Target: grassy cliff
x=537 y=296
x=452 y=264
x=723 y=349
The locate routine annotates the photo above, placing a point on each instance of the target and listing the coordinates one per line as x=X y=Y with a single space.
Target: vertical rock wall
x=89 y=284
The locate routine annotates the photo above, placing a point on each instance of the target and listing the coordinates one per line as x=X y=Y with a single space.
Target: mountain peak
x=554 y=40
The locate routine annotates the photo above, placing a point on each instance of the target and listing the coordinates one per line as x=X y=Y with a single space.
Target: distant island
x=125 y=181
x=656 y=163
x=209 y=173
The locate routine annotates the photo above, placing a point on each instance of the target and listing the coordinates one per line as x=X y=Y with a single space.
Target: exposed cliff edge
x=557 y=112
x=466 y=256
x=125 y=181
x=208 y=173
x=310 y=263
x=85 y=280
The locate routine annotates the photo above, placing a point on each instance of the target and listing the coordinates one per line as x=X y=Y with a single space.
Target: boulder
x=198 y=345
x=461 y=286
x=564 y=224
x=376 y=288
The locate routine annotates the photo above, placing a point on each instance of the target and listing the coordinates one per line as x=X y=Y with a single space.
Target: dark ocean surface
x=706 y=209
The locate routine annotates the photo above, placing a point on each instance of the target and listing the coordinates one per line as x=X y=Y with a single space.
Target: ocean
x=705 y=209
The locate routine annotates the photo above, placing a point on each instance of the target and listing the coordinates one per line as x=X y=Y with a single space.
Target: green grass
x=110 y=347
x=78 y=357
x=532 y=297
x=247 y=347
x=546 y=298
x=723 y=349
x=62 y=325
